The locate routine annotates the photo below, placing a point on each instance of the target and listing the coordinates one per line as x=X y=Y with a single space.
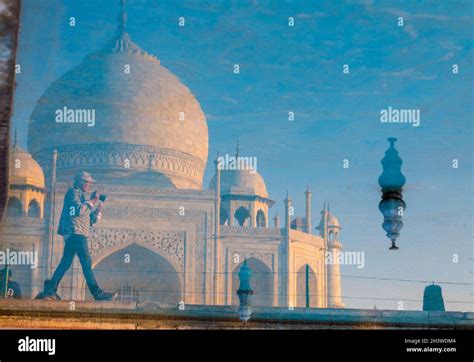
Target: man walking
x=77 y=217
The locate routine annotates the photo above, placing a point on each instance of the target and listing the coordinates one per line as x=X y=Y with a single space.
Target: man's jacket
x=78 y=215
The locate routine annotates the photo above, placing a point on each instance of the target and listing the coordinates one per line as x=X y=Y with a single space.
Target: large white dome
x=147 y=123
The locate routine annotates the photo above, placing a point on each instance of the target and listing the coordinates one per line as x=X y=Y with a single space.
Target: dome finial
x=122 y=43
x=122 y=17
x=14 y=146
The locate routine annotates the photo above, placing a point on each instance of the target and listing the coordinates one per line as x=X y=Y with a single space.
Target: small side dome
x=24 y=170
x=245 y=182
x=332 y=221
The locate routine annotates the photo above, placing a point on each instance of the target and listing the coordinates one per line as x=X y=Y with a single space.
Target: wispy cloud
x=410 y=29
x=401 y=73
x=449 y=55
x=310 y=15
x=407 y=15
x=412 y=73
x=450 y=45
x=230 y=100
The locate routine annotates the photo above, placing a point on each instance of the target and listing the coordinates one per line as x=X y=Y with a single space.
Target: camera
x=102 y=197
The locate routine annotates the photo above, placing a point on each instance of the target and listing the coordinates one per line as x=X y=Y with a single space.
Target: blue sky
x=299 y=69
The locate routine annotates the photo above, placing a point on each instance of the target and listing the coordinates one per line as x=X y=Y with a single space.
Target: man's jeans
x=76 y=244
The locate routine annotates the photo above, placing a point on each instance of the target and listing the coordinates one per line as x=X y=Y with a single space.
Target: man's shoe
x=48 y=296
x=104 y=296
x=54 y=296
x=49 y=291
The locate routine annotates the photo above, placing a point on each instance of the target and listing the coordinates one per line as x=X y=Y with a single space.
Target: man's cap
x=84 y=176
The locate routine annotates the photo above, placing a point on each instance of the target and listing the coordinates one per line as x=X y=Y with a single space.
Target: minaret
x=286 y=298
x=276 y=221
x=217 y=214
x=287 y=212
x=51 y=202
x=15 y=141
x=218 y=166
x=323 y=222
x=332 y=262
x=308 y=211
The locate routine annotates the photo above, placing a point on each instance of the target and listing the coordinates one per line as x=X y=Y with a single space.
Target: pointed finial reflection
x=122 y=17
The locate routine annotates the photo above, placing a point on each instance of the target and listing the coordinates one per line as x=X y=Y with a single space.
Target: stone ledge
x=25 y=305
x=111 y=315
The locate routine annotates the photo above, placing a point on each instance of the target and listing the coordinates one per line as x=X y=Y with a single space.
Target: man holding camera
x=77 y=217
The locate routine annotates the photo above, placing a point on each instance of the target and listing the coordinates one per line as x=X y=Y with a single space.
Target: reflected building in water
x=164 y=237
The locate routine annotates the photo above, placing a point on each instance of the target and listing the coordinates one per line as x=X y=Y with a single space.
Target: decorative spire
x=122 y=42
x=392 y=178
x=308 y=225
x=237 y=149
x=15 y=147
x=122 y=18
x=276 y=221
x=392 y=181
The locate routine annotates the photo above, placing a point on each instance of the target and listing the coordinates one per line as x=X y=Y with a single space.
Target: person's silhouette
x=77 y=217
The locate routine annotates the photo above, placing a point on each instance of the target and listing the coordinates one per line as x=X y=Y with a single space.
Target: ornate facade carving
x=266 y=258
x=149 y=213
x=146 y=190
x=17 y=246
x=24 y=221
x=301 y=261
x=239 y=230
x=170 y=245
x=300 y=236
x=124 y=158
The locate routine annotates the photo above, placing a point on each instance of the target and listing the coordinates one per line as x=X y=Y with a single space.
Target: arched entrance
x=241 y=215
x=261 y=282
x=138 y=273
x=261 y=219
x=301 y=288
x=34 y=209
